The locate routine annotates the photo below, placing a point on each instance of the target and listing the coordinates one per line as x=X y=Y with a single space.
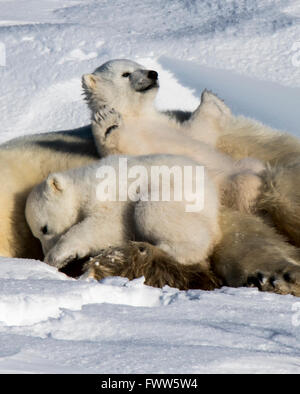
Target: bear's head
x=122 y=84
x=51 y=209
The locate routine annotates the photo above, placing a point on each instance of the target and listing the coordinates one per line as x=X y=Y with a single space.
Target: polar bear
x=25 y=162
x=73 y=217
x=136 y=127
x=130 y=89
x=143 y=130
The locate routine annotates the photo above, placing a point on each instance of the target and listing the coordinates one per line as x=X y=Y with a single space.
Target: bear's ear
x=56 y=183
x=89 y=81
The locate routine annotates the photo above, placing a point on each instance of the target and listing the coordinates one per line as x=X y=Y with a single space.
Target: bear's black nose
x=152 y=75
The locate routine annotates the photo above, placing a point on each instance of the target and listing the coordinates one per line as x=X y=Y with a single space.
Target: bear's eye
x=142 y=249
x=110 y=129
x=125 y=75
x=44 y=230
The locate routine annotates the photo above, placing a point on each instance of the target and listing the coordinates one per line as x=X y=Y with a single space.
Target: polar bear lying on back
x=73 y=218
x=143 y=130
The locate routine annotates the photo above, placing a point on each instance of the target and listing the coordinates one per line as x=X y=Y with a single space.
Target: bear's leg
x=104 y=122
x=208 y=119
x=280 y=198
x=252 y=253
x=241 y=191
x=187 y=236
x=87 y=238
x=137 y=259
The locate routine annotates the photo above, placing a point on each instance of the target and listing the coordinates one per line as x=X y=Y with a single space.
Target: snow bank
x=31 y=292
x=51 y=323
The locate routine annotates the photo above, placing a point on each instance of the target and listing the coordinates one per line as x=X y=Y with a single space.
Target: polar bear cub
x=130 y=89
x=79 y=212
x=121 y=95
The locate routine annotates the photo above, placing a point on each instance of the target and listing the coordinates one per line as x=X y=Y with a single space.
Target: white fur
x=106 y=86
x=25 y=162
x=81 y=225
x=141 y=129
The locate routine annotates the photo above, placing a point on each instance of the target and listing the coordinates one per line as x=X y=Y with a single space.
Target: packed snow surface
x=246 y=51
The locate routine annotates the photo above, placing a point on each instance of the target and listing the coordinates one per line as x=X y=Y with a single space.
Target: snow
x=246 y=51
x=51 y=323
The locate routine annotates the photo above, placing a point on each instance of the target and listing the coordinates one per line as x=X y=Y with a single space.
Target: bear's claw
x=281 y=282
x=106 y=117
